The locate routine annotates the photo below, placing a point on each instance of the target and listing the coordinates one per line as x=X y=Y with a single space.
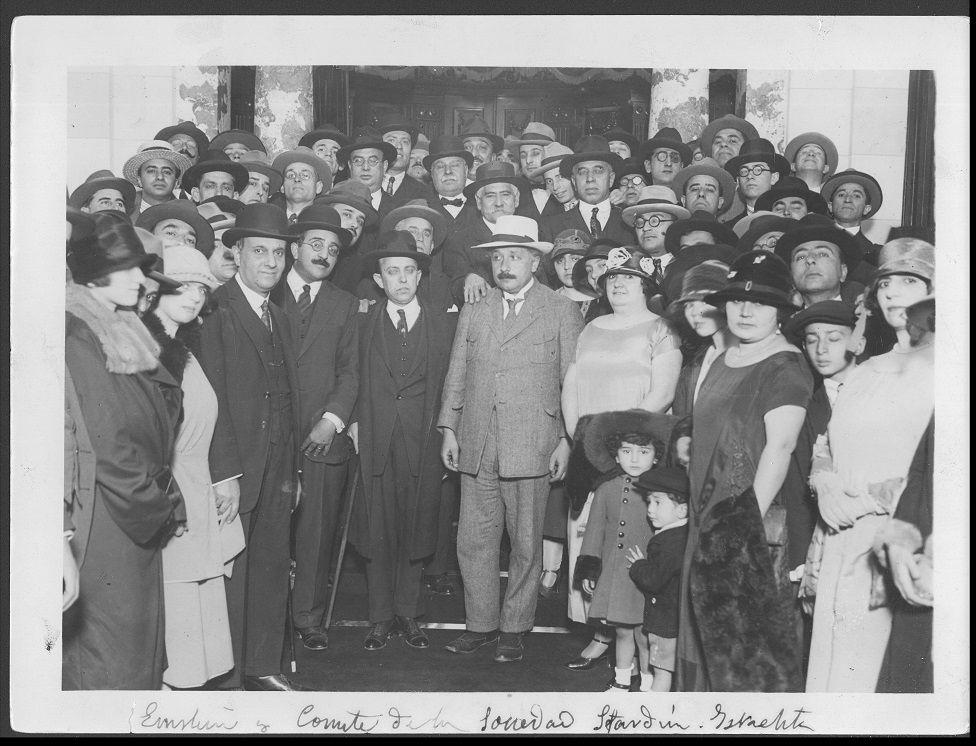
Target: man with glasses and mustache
x=306 y=176
x=482 y=143
x=368 y=158
x=757 y=167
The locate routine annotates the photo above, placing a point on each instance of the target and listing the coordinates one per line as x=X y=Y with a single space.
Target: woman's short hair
x=871 y=294
x=209 y=303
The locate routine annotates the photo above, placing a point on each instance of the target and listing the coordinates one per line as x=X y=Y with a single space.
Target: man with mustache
x=448 y=163
x=482 y=143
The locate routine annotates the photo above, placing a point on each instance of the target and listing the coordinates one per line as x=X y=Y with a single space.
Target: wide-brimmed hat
x=324 y=132
x=515 y=230
x=699 y=220
x=628 y=260
x=599 y=249
x=186 y=264
x=625 y=422
x=397 y=243
x=366 y=137
x=114 y=246
x=447 y=146
x=103 y=179
x=417 y=208
x=814 y=227
x=494 y=173
x=692 y=257
x=258 y=161
x=186 y=128
x=355 y=194
x=728 y=122
x=478 y=127
x=535 y=133
x=228 y=137
x=261 y=220
x=834 y=312
x=216 y=160
x=907 y=256
x=618 y=134
x=630 y=167
x=850 y=176
x=815 y=138
x=791 y=186
x=667 y=137
x=703 y=279
x=82 y=225
x=552 y=156
x=304 y=155
x=655 y=198
x=590 y=148
x=672 y=480
x=759 y=150
x=709 y=167
x=398 y=123
x=570 y=241
x=180 y=209
x=759 y=224
x=152 y=150
x=757 y=276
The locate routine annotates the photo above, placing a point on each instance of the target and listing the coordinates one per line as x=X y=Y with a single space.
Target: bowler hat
x=355 y=194
x=228 y=137
x=319 y=216
x=398 y=243
x=618 y=134
x=759 y=150
x=417 y=208
x=728 y=122
x=535 y=133
x=599 y=249
x=216 y=160
x=447 y=146
x=515 y=230
x=628 y=260
x=590 y=148
x=693 y=256
x=323 y=132
x=834 y=312
x=103 y=179
x=304 y=155
x=655 y=198
x=366 y=137
x=757 y=276
x=700 y=220
x=709 y=167
x=701 y=280
x=184 y=264
x=180 y=209
x=153 y=150
x=114 y=246
x=258 y=161
x=814 y=227
x=791 y=186
x=625 y=422
x=814 y=138
x=672 y=480
x=261 y=220
x=552 y=156
x=398 y=123
x=850 y=176
x=478 y=127
x=668 y=137
x=186 y=128
x=495 y=172
x=759 y=225
x=907 y=256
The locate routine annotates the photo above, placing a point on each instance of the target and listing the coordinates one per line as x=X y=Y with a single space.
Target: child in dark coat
x=658 y=574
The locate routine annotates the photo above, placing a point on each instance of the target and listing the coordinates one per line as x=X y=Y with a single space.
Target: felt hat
x=228 y=137
x=417 y=208
x=493 y=173
x=186 y=128
x=103 y=179
x=590 y=148
x=261 y=220
x=690 y=257
x=515 y=230
x=618 y=134
x=570 y=241
x=153 y=245
x=180 y=209
x=757 y=276
x=82 y=225
x=398 y=243
x=703 y=279
x=185 y=264
x=630 y=167
x=304 y=155
x=791 y=186
x=447 y=146
x=152 y=150
x=363 y=138
x=699 y=220
x=535 y=133
x=478 y=127
x=758 y=225
x=552 y=156
x=599 y=249
x=226 y=204
x=850 y=176
x=815 y=138
x=215 y=160
x=670 y=479
x=319 y=216
x=625 y=422
x=668 y=137
x=398 y=123
x=422 y=143
x=323 y=132
x=814 y=227
x=627 y=260
x=219 y=220
x=834 y=312
x=355 y=194
x=728 y=122
x=907 y=256
x=655 y=198
x=113 y=246
x=709 y=167
x=259 y=162
x=759 y=150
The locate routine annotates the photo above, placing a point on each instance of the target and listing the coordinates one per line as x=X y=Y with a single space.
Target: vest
x=279 y=389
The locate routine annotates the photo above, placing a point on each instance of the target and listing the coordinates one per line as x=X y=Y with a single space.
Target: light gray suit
x=501 y=398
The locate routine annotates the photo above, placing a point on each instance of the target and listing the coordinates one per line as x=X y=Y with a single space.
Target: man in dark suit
x=325 y=335
x=247 y=354
x=853 y=196
x=351 y=199
x=404 y=353
x=397 y=183
x=448 y=164
x=532 y=143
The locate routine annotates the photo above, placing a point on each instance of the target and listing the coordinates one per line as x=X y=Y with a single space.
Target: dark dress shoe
x=274 y=683
x=509 y=647
x=378 y=635
x=549 y=591
x=413 y=635
x=471 y=641
x=582 y=663
x=314 y=638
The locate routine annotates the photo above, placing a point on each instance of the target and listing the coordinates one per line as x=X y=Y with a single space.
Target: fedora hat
x=320 y=216
x=728 y=122
x=354 y=194
x=759 y=150
x=304 y=155
x=759 y=224
x=757 y=276
x=113 y=246
x=791 y=186
x=422 y=144
x=226 y=204
x=261 y=220
x=570 y=241
x=668 y=137
x=599 y=249
x=699 y=220
x=228 y=137
x=258 y=161
x=184 y=264
x=701 y=280
x=323 y=132
x=814 y=138
x=590 y=148
x=515 y=230
x=619 y=134
x=834 y=312
x=447 y=146
x=655 y=198
x=219 y=219
x=694 y=256
x=103 y=179
x=535 y=133
x=627 y=260
x=478 y=127
x=186 y=128
x=216 y=160
x=495 y=172
x=180 y=209
x=82 y=225
x=625 y=422
x=907 y=256
x=366 y=137
x=672 y=480
x=709 y=167
x=398 y=123
x=814 y=227
x=152 y=150
x=552 y=156
x=850 y=176
x=417 y=208
x=397 y=243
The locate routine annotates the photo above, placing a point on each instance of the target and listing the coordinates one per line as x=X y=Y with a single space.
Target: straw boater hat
x=655 y=198
x=304 y=155
x=324 y=132
x=478 y=127
x=152 y=150
x=791 y=186
x=728 y=122
x=216 y=160
x=535 y=133
x=626 y=422
x=814 y=138
x=103 y=180
x=186 y=128
x=228 y=137
x=699 y=220
x=262 y=220
x=757 y=276
x=850 y=176
x=323 y=217
x=258 y=161
x=515 y=230
x=813 y=227
x=185 y=264
x=355 y=194
x=552 y=156
x=708 y=166
x=417 y=208
x=670 y=138
x=180 y=209
x=398 y=243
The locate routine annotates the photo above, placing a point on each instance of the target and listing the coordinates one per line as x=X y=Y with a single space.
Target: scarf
x=128 y=346
x=176 y=350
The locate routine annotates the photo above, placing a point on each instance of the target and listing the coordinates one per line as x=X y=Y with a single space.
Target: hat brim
x=627 y=139
x=371 y=216
x=850 y=252
x=749 y=132
x=815 y=203
x=737 y=292
x=199 y=137
x=389 y=152
x=795 y=325
x=726 y=183
x=535 y=173
x=543 y=247
x=233 y=235
x=515 y=143
x=205 y=279
x=629 y=421
x=436 y=219
x=630 y=213
x=904 y=266
x=299 y=227
x=204 y=231
x=191 y=179
x=567 y=163
x=247 y=139
x=180 y=162
x=274 y=175
x=517 y=181
x=321 y=168
x=423 y=260
x=85 y=192
x=830 y=150
x=649 y=146
x=428 y=160
x=875 y=196
x=720 y=232
x=309 y=139
x=775 y=161
x=498 y=144
x=602 y=279
x=745 y=243
x=401 y=127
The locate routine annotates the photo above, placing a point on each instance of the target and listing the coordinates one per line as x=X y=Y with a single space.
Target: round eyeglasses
x=757 y=170
x=654 y=221
x=667 y=156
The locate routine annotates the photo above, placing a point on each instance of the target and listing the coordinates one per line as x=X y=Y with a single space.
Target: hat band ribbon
x=510 y=237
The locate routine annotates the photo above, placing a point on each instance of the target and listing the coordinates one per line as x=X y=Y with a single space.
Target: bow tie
x=452 y=202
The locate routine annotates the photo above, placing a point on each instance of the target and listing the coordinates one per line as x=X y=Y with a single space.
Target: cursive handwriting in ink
x=779 y=722
x=193 y=723
x=359 y=723
x=399 y=719
x=535 y=721
x=609 y=720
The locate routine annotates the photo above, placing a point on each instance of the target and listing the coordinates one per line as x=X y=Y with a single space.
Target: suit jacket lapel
x=321 y=308
x=527 y=314
x=249 y=320
x=375 y=334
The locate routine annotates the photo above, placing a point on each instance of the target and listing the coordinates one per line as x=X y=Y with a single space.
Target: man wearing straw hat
x=156 y=170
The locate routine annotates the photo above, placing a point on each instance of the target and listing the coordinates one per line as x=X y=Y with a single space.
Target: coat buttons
x=399 y=396
x=623 y=523
x=626 y=489
x=620 y=546
x=625 y=501
x=621 y=534
x=653 y=600
x=267 y=394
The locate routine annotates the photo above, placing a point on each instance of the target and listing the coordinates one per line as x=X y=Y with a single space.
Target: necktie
x=594 y=223
x=658 y=272
x=305 y=299
x=389 y=186
x=402 y=323
x=452 y=202
x=266 y=315
x=512 y=311
x=293 y=218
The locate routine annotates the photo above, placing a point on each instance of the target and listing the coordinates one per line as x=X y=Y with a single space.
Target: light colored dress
x=877 y=422
x=613 y=373
x=198 y=643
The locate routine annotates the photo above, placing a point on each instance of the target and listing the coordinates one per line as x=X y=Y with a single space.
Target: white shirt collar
x=296 y=283
x=520 y=295
x=602 y=212
x=411 y=311
x=541 y=197
x=853 y=230
x=375 y=198
x=832 y=388
x=254 y=299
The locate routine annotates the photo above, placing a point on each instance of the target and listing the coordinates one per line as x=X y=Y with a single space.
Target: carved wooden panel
x=464 y=116
x=516 y=121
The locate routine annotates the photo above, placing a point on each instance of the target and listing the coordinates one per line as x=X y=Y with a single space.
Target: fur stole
x=175 y=351
x=128 y=346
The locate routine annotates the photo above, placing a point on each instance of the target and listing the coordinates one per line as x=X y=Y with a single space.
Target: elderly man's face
x=368 y=166
x=260 y=262
x=449 y=175
x=849 y=204
x=593 y=180
x=399 y=277
x=301 y=183
x=258 y=188
x=495 y=200
x=421 y=230
x=694 y=238
x=326 y=149
x=222 y=262
x=316 y=254
x=482 y=150
x=811 y=157
x=620 y=148
x=663 y=164
x=415 y=167
x=512 y=267
x=403 y=143
x=726 y=144
x=702 y=192
x=650 y=228
x=234 y=150
x=214 y=184
x=559 y=187
x=530 y=157
x=157 y=178
x=758 y=179
x=352 y=220
x=791 y=207
x=105 y=199
x=186 y=145
x=175 y=232
x=816 y=267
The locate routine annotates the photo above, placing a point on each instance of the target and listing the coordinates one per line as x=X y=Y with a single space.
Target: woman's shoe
x=549 y=591
x=616 y=688
x=582 y=663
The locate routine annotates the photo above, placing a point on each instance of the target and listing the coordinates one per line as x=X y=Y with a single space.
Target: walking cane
x=342 y=544
x=289 y=619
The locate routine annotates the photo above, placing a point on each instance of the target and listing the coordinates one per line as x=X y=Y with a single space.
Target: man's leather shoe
x=509 y=647
x=274 y=683
x=378 y=635
x=314 y=638
x=413 y=635
x=471 y=641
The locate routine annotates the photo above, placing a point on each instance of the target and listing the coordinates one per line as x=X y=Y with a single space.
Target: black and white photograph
x=500 y=375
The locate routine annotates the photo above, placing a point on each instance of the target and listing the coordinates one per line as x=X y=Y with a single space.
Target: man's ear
x=843 y=271
x=195 y=195
x=318 y=187
x=867 y=209
x=774 y=178
x=378 y=280
x=647 y=166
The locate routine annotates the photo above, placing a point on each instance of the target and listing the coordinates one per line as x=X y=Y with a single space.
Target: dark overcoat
x=615 y=229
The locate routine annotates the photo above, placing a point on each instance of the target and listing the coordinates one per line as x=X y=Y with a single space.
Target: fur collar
x=175 y=351
x=127 y=344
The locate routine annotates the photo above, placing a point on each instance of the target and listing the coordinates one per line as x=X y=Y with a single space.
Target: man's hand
x=559 y=460
x=906 y=572
x=319 y=440
x=682 y=447
x=353 y=431
x=450 y=450
x=475 y=288
x=228 y=500
x=588 y=587
x=72 y=585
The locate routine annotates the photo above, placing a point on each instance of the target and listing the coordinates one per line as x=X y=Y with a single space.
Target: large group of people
x=680 y=378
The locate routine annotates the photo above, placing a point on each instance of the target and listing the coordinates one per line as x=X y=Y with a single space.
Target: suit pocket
x=545 y=351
